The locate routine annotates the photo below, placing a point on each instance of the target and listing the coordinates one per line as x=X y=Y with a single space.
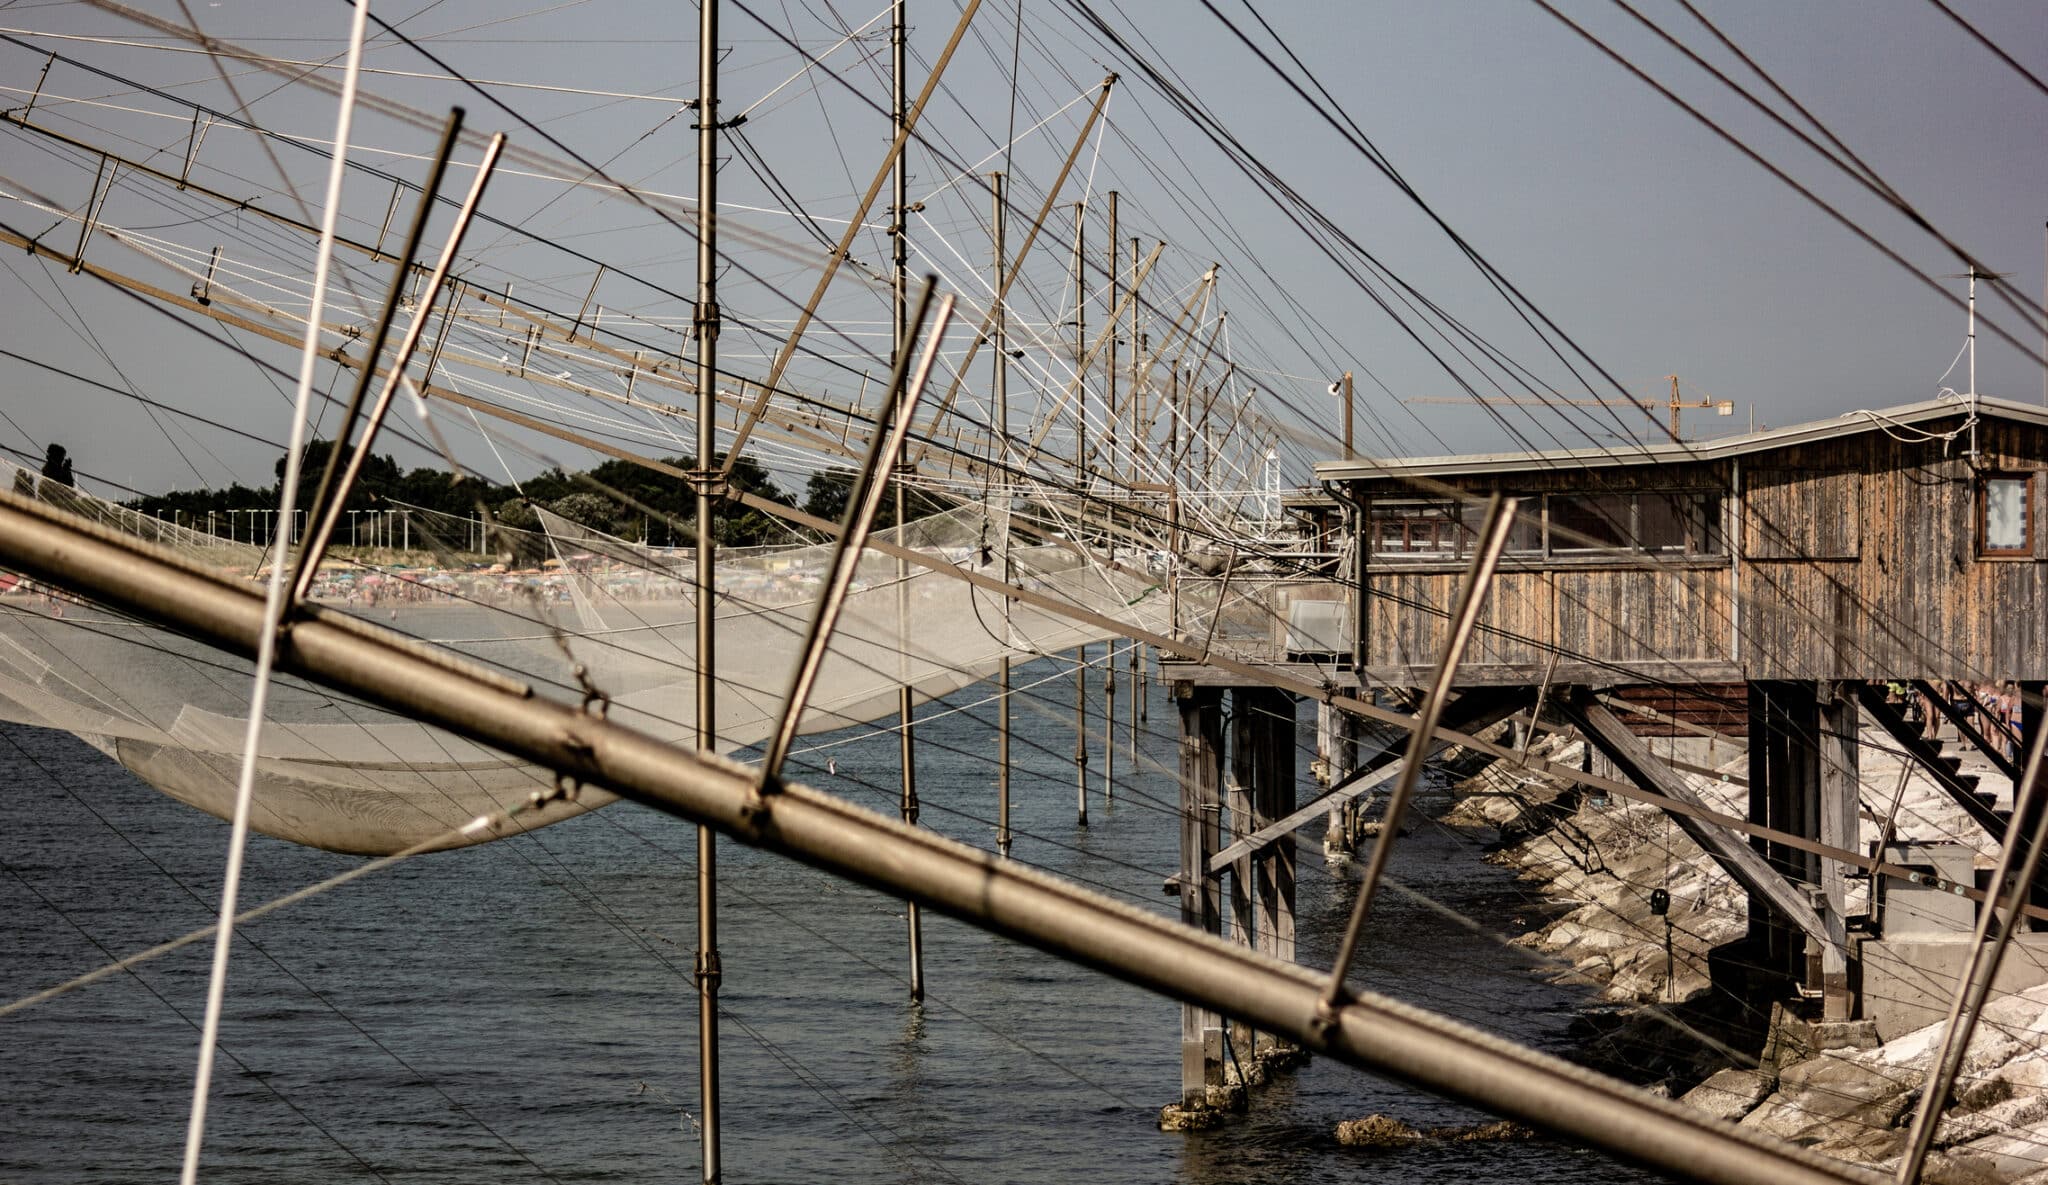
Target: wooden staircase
x=1944 y=768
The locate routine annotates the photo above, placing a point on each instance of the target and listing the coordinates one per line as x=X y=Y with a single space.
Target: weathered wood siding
x=1917 y=599
x=1848 y=558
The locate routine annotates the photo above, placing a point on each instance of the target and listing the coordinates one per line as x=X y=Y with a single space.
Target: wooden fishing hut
x=1796 y=572
x=1764 y=592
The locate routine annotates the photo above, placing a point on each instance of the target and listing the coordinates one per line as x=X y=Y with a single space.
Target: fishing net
x=598 y=612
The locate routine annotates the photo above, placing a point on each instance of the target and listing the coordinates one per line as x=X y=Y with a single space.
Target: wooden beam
x=1469 y=712
x=1729 y=850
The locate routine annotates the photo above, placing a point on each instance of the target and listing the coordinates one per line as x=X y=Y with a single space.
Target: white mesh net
x=345 y=776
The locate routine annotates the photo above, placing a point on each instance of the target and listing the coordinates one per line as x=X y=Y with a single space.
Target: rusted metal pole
x=999 y=444
x=1493 y=539
x=899 y=283
x=708 y=969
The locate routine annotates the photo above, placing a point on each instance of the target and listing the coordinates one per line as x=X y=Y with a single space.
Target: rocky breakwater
x=1856 y=1104
x=1638 y=907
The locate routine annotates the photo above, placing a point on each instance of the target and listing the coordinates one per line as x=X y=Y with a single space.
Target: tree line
x=617 y=497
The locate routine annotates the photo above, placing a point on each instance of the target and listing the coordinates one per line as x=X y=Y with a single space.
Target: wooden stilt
x=1270 y=761
x=1109 y=725
x=1839 y=827
x=1081 y=733
x=1244 y=893
x=1003 y=757
x=1201 y=777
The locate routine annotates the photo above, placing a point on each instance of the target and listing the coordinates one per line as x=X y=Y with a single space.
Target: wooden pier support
x=1336 y=757
x=1784 y=918
x=1203 y=1090
x=1784 y=793
x=1264 y=758
x=1840 y=797
x=1253 y=789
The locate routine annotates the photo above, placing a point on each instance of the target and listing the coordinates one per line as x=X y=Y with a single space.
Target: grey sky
x=1657 y=246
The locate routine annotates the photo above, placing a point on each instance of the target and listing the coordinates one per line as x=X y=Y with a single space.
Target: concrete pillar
x=1244 y=924
x=1784 y=794
x=1336 y=757
x=1201 y=777
x=1272 y=765
x=1840 y=786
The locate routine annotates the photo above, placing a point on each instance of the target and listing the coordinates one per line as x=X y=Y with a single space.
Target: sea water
x=524 y=1010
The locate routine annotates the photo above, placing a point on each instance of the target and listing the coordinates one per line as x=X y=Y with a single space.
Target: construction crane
x=1675 y=403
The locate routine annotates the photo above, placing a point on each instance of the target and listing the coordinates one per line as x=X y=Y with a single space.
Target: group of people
x=1993 y=708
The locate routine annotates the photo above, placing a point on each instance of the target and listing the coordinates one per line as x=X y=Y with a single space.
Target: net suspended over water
x=341 y=775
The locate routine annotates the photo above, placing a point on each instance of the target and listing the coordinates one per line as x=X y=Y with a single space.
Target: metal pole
x=2018 y=861
x=1109 y=420
x=343 y=432
x=843 y=251
x=999 y=470
x=708 y=969
x=1045 y=210
x=1131 y=400
x=900 y=285
x=1368 y=1031
x=1109 y=402
x=863 y=503
x=1349 y=451
x=1081 y=487
x=1493 y=539
x=1081 y=736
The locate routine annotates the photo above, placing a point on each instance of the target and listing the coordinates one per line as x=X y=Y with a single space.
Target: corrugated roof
x=1847 y=424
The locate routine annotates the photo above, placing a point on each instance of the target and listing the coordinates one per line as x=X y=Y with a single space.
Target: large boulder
x=1834 y=1099
x=1730 y=1094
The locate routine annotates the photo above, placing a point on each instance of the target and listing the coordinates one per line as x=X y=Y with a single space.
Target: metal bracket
x=704 y=320
x=202 y=289
x=94 y=203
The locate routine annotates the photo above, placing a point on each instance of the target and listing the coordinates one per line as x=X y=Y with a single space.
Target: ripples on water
x=537 y=1021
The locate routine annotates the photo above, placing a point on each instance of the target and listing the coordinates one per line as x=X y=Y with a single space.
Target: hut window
x=1417 y=528
x=1525 y=537
x=1597 y=522
x=1689 y=523
x=2004 y=526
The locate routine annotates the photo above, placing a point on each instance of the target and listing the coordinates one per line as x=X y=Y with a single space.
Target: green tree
x=587 y=509
x=825 y=495
x=379 y=478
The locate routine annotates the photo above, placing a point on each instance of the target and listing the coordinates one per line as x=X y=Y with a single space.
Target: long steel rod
x=708 y=971
x=345 y=430
x=1081 y=483
x=999 y=470
x=1016 y=267
x=899 y=284
x=1994 y=932
x=273 y=606
x=1132 y=441
x=1493 y=539
x=1369 y=1031
x=862 y=503
x=1109 y=466
x=854 y=225
x=322 y=532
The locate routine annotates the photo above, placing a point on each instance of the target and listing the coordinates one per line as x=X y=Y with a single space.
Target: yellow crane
x=1675 y=403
